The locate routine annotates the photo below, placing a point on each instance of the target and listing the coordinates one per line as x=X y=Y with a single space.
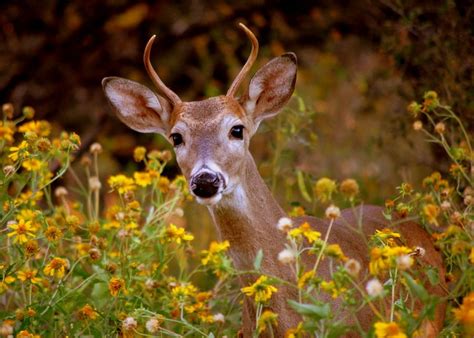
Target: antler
x=168 y=93
x=245 y=69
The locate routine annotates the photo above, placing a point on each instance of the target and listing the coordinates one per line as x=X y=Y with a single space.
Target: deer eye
x=237 y=132
x=177 y=139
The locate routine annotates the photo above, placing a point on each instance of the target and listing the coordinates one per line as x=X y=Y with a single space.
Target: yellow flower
x=116 y=285
x=324 y=188
x=349 y=188
x=26 y=334
x=19 y=151
x=178 y=234
x=215 y=248
x=471 y=256
x=56 y=267
x=262 y=290
x=139 y=154
x=5 y=282
x=303 y=280
x=21 y=231
x=334 y=250
x=40 y=128
x=431 y=212
x=142 y=178
x=465 y=314
x=121 y=183
x=6 y=131
x=388 y=330
x=29 y=275
x=383 y=258
x=386 y=233
x=305 y=230
x=295 y=332
x=87 y=312
x=32 y=164
x=330 y=287
x=267 y=318
x=183 y=291
x=53 y=234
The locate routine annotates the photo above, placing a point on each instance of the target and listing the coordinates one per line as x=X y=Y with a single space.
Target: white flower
x=374 y=287
x=218 y=317
x=285 y=224
x=417 y=125
x=404 y=262
x=353 y=267
x=419 y=251
x=445 y=205
x=152 y=325
x=129 y=324
x=94 y=183
x=333 y=212
x=287 y=256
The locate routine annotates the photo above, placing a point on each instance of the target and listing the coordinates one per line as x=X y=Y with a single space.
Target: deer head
x=210 y=137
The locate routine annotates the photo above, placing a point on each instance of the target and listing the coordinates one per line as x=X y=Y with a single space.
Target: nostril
x=205 y=184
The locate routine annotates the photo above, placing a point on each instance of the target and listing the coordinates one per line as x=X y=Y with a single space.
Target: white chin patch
x=209 y=201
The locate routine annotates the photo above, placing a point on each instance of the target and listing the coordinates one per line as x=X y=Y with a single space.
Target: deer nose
x=205 y=184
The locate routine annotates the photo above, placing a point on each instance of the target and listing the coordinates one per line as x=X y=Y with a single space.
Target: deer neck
x=247 y=218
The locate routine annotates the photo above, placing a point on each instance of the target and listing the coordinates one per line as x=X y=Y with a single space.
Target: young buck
x=211 y=141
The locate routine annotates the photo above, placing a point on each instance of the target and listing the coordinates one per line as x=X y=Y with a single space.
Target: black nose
x=205 y=185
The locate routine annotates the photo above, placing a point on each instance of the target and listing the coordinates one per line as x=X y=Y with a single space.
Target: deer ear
x=271 y=88
x=137 y=106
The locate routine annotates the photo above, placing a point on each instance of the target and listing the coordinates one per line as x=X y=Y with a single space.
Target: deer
x=211 y=142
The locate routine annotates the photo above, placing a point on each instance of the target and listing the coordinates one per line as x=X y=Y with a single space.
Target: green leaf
x=433 y=275
x=316 y=311
x=417 y=289
x=302 y=186
x=257 y=263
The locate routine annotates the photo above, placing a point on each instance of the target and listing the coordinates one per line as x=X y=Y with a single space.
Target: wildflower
x=19 y=151
x=267 y=318
x=353 y=267
x=324 y=189
x=386 y=233
x=183 y=291
x=349 y=188
x=417 y=125
x=305 y=230
x=334 y=250
x=388 y=330
x=465 y=314
x=178 y=234
x=129 y=324
x=303 y=280
x=121 y=183
x=26 y=334
x=331 y=288
x=139 y=154
x=404 y=262
x=32 y=164
x=287 y=256
x=40 y=128
x=419 y=251
x=5 y=282
x=297 y=211
x=7 y=130
x=430 y=100
x=28 y=112
x=53 y=234
x=414 y=108
x=153 y=324
x=95 y=148
x=142 y=178
x=431 y=212
x=8 y=170
x=116 y=285
x=218 y=318
x=332 y=212
x=215 y=248
x=284 y=224
x=163 y=184
x=87 y=312
x=56 y=267
x=6 y=329
x=60 y=192
x=29 y=275
x=374 y=288
x=94 y=183
x=471 y=256
x=445 y=205
x=8 y=110
x=31 y=247
x=295 y=332
x=261 y=290
x=21 y=231
x=440 y=128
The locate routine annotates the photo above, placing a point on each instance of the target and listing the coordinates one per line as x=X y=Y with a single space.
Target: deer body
x=211 y=140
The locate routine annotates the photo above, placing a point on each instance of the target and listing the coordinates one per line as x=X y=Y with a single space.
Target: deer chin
x=210 y=201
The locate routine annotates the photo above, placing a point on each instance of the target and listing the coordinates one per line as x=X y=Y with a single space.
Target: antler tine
x=168 y=93
x=245 y=69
